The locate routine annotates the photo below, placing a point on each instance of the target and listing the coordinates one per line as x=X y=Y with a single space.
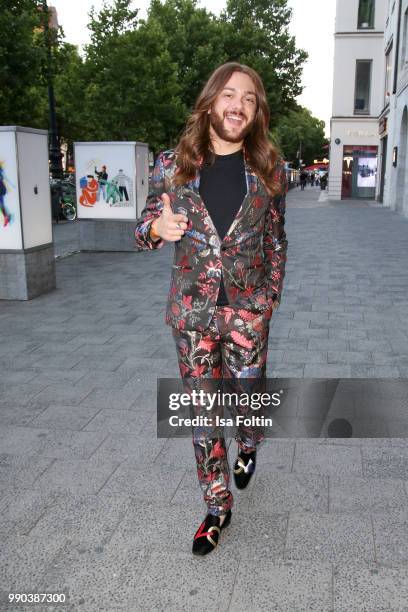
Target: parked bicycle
x=63 y=200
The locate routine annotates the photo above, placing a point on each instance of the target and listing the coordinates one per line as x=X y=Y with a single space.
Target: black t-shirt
x=223 y=188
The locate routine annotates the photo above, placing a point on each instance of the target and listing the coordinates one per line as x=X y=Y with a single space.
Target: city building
x=393 y=121
x=357 y=98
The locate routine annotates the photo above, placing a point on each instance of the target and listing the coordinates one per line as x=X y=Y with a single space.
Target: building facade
x=393 y=121
x=358 y=87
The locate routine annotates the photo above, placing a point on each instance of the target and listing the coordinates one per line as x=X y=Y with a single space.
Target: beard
x=217 y=123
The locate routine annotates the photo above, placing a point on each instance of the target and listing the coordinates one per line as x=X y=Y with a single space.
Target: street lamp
x=54 y=149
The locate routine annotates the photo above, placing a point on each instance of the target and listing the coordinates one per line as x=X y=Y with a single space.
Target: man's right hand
x=169 y=226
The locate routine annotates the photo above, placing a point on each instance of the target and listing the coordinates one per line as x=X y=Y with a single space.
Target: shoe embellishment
x=248 y=469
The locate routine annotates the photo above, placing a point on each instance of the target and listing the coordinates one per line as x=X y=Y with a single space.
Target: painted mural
x=99 y=186
x=6 y=185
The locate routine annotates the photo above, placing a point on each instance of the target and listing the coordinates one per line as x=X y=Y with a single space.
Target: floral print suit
x=213 y=341
x=251 y=256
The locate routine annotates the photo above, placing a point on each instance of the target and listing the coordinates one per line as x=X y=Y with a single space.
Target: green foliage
x=257 y=34
x=299 y=126
x=21 y=58
x=138 y=79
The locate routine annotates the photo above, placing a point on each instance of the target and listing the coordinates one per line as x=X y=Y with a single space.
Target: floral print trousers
x=233 y=347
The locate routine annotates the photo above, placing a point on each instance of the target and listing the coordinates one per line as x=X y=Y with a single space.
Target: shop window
x=388 y=75
x=404 y=54
x=362 y=87
x=366 y=14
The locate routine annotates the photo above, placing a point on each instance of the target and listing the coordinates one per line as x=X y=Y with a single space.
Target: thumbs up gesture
x=169 y=226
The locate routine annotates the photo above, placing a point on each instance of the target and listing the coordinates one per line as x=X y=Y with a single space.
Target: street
x=94 y=505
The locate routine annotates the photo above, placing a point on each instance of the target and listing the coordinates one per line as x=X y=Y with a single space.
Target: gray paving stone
x=64 y=417
x=117 y=421
x=283 y=586
x=178 y=452
x=104 y=363
x=66 y=444
x=182 y=586
x=19 y=415
x=23 y=563
x=88 y=520
x=391 y=537
x=16 y=377
x=327 y=344
x=327 y=370
x=347 y=334
x=339 y=324
x=287 y=343
x=20 y=395
x=282 y=492
x=53 y=362
x=21 y=470
x=46 y=376
x=155 y=484
x=285 y=370
x=120 y=399
x=311 y=316
x=140 y=448
x=283 y=325
x=349 y=357
x=379 y=589
x=308 y=332
x=20 y=440
x=357 y=495
x=97 y=578
x=327 y=459
x=23 y=510
x=338 y=538
x=76 y=476
x=368 y=371
x=304 y=357
x=385 y=462
x=63 y=394
x=370 y=345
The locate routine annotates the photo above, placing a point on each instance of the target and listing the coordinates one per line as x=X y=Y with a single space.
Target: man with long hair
x=220 y=197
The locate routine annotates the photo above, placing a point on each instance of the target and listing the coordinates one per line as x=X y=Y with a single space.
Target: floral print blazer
x=251 y=257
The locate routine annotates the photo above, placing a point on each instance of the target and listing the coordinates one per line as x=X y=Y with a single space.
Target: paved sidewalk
x=94 y=505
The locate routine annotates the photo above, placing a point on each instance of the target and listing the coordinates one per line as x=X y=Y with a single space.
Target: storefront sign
x=361 y=133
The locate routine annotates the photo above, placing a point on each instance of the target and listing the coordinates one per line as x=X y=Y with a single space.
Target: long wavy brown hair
x=195 y=144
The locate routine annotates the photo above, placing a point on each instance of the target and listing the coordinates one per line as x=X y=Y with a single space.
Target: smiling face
x=233 y=111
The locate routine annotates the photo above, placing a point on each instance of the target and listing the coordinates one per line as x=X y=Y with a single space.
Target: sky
x=312 y=25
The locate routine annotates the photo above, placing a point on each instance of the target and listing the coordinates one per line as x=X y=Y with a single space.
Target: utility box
x=27 y=265
x=111 y=184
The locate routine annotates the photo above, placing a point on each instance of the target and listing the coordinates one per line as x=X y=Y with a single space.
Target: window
x=366 y=14
x=388 y=75
x=404 y=57
x=362 y=87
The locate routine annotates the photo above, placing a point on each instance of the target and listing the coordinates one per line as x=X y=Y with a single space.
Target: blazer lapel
x=252 y=182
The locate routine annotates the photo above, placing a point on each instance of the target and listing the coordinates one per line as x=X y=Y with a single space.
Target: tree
x=257 y=34
x=132 y=90
x=69 y=86
x=195 y=42
x=21 y=57
x=299 y=126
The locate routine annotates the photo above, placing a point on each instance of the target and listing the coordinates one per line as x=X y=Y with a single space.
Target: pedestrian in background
x=303 y=179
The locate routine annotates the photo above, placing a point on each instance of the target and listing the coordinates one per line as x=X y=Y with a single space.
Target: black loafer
x=208 y=534
x=244 y=467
